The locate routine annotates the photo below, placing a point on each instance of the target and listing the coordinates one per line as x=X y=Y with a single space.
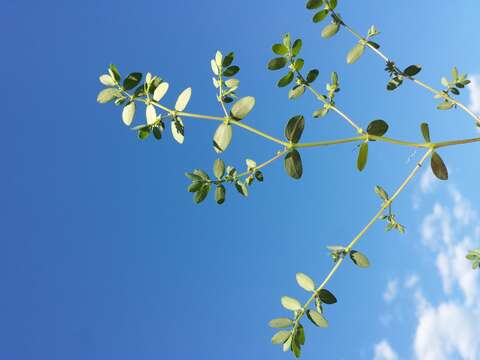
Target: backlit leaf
x=362 y=156
x=355 y=53
x=160 y=91
x=317 y=319
x=222 y=137
x=290 y=303
x=293 y=164
x=438 y=167
x=359 y=259
x=128 y=113
x=242 y=107
x=183 y=99
x=305 y=282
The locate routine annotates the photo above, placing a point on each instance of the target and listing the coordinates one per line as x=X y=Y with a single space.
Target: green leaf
x=143 y=133
x=128 y=113
x=279 y=49
x=381 y=193
x=242 y=107
x=297 y=46
x=294 y=128
x=332 y=4
x=394 y=83
x=157 y=132
x=160 y=91
x=231 y=83
x=183 y=99
x=296 y=92
x=222 y=137
x=151 y=114
x=320 y=16
x=287 y=345
x=314 y=4
x=107 y=95
x=330 y=30
x=377 y=128
x=290 y=303
x=280 y=323
x=259 y=175
x=241 y=188
x=286 y=80
x=298 y=64
x=195 y=186
x=446 y=105
x=355 y=53
x=220 y=194
x=277 y=63
x=106 y=80
x=320 y=112
x=317 y=319
x=132 y=80
x=218 y=168
x=412 y=70
x=231 y=71
x=178 y=130
x=359 y=259
x=438 y=167
x=305 y=282
x=113 y=71
x=228 y=60
x=287 y=41
x=201 y=194
x=425 y=132
x=312 y=75
x=362 y=156
x=327 y=297
x=280 y=337
x=293 y=164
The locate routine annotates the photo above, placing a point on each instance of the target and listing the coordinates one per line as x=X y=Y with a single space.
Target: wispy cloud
x=474 y=88
x=383 y=351
x=391 y=291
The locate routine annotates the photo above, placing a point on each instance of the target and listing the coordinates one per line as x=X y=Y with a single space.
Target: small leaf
x=305 y=282
x=359 y=259
x=151 y=114
x=113 y=71
x=280 y=337
x=286 y=80
x=446 y=105
x=228 y=60
x=183 y=99
x=214 y=67
x=218 y=168
x=320 y=16
x=327 y=297
x=106 y=80
x=241 y=188
x=317 y=319
x=297 y=46
x=312 y=75
x=277 y=63
x=362 y=156
x=280 y=323
x=178 y=130
x=201 y=194
x=438 y=167
x=298 y=64
x=294 y=128
x=107 y=95
x=425 y=132
x=195 y=186
x=143 y=133
x=293 y=164
x=231 y=71
x=377 y=128
x=128 y=113
x=330 y=30
x=279 y=49
x=242 y=107
x=231 y=83
x=160 y=91
x=412 y=70
x=355 y=53
x=290 y=303
x=314 y=4
x=222 y=137
x=132 y=80
x=220 y=194
x=296 y=92
x=381 y=193
x=157 y=132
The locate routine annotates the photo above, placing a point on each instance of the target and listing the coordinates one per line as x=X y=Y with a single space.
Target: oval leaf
x=132 y=80
x=425 y=132
x=327 y=297
x=279 y=49
x=377 y=128
x=355 y=53
x=286 y=80
x=277 y=63
x=362 y=156
x=128 y=113
x=412 y=70
x=160 y=91
x=183 y=99
x=107 y=95
x=151 y=114
x=220 y=194
x=305 y=282
x=320 y=16
x=438 y=167
x=242 y=107
x=293 y=164
x=280 y=323
x=290 y=303
x=222 y=137
x=178 y=130
x=330 y=30
x=294 y=128
x=317 y=319
x=359 y=259
x=107 y=80
x=280 y=337
x=314 y=4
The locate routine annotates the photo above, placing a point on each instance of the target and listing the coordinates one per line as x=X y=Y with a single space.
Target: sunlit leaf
x=183 y=99
x=128 y=113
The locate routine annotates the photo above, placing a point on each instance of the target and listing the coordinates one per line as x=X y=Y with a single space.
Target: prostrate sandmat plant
x=132 y=91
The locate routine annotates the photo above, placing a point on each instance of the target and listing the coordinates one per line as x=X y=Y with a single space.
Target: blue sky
x=104 y=255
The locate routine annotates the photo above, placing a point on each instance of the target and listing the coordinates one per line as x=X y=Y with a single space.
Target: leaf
x=222 y=137
x=297 y=46
x=286 y=80
x=332 y=4
x=317 y=319
x=425 y=132
x=106 y=80
x=160 y=91
x=277 y=63
x=151 y=114
x=298 y=64
x=305 y=282
x=293 y=164
x=412 y=70
x=355 y=53
x=359 y=259
x=183 y=99
x=220 y=194
x=327 y=297
x=218 y=168
x=314 y=4
x=362 y=156
x=132 y=80
x=242 y=107
x=231 y=83
x=241 y=188
x=381 y=193
x=231 y=71
x=279 y=49
x=294 y=128
x=330 y=30
x=143 y=133
x=296 y=92
x=446 y=105
x=113 y=71
x=280 y=323
x=280 y=337
x=178 y=130
x=228 y=60
x=320 y=16
x=128 y=113
x=394 y=83
x=195 y=186
x=201 y=194
x=157 y=132
x=377 y=128
x=287 y=345
x=312 y=75
x=438 y=167
x=107 y=95
x=251 y=165
x=290 y=303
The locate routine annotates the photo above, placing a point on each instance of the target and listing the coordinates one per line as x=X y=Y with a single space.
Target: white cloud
x=427 y=181
x=383 y=351
x=411 y=281
x=474 y=88
x=391 y=291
